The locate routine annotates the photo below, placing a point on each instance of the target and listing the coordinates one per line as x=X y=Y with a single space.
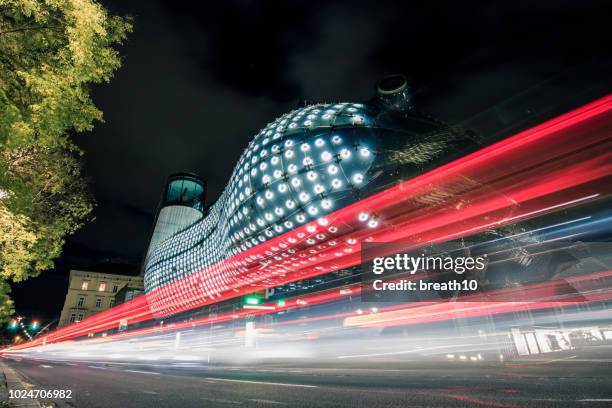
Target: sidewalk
x=10 y=380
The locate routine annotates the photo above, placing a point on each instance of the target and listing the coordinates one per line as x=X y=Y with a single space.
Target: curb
x=12 y=381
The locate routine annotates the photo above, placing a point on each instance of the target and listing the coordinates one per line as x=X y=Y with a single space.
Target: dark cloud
x=199 y=79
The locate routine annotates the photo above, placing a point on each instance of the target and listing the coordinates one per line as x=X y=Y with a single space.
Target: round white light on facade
x=289 y=154
x=326 y=204
x=295 y=182
x=363 y=216
x=336 y=183
x=311 y=175
x=312 y=210
x=304 y=196
x=357 y=178
x=336 y=139
x=372 y=223
x=292 y=168
x=269 y=194
x=332 y=169
x=318 y=189
x=364 y=151
x=305 y=147
x=319 y=142
x=326 y=156
x=282 y=188
x=345 y=153
x=290 y=204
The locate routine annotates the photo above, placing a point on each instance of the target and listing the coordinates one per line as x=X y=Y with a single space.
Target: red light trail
x=559 y=164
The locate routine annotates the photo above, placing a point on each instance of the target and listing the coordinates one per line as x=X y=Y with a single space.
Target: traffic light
x=13 y=324
x=34 y=325
x=252 y=300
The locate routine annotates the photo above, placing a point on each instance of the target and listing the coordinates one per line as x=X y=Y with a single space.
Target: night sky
x=199 y=79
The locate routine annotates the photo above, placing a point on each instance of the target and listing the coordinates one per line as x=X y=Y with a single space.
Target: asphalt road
x=559 y=381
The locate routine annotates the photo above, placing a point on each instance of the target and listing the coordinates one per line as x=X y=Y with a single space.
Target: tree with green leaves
x=51 y=52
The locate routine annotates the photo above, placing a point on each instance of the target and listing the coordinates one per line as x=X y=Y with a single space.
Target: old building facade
x=90 y=293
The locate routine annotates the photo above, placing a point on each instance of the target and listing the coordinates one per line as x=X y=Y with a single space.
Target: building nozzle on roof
x=394 y=94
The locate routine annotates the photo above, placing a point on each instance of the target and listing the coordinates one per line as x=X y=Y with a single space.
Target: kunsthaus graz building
x=298 y=169
x=308 y=190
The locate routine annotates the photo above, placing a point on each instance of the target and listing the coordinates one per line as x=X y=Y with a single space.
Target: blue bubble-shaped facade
x=302 y=166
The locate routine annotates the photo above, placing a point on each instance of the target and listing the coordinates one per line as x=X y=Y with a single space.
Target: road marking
x=595 y=400
x=101 y=368
x=263 y=401
x=46 y=366
x=262 y=382
x=142 y=372
x=149 y=392
x=221 y=400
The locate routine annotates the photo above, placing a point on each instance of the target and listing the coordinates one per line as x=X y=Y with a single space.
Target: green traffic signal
x=252 y=300
x=34 y=325
x=13 y=324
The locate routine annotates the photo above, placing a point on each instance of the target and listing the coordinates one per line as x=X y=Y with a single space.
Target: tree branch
x=15 y=30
